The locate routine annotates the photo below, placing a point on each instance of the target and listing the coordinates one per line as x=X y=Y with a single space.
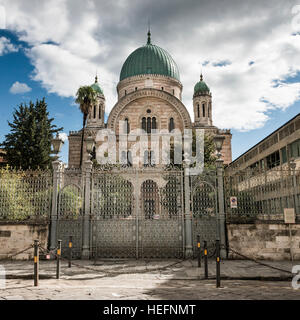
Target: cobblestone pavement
x=148 y=280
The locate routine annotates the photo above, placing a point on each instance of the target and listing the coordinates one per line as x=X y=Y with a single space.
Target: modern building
x=277 y=149
x=149 y=98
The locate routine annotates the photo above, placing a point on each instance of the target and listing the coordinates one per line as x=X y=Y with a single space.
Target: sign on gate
x=233 y=202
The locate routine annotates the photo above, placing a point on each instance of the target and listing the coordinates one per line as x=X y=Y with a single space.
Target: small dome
x=201 y=87
x=149 y=59
x=96 y=86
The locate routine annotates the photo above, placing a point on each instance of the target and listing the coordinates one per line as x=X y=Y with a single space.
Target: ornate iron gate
x=133 y=216
x=204 y=208
x=70 y=211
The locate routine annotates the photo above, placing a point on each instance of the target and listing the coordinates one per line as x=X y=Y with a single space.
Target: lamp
x=218 y=140
x=89 y=144
x=57 y=143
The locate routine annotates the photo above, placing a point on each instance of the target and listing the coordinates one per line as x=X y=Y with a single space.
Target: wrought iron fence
x=25 y=195
x=261 y=194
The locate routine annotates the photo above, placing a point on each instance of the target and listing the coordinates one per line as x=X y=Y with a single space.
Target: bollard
x=70 y=251
x=36 y=263
x=205 y=260
x=58 y=254
x=199 y=250
x=218 y=276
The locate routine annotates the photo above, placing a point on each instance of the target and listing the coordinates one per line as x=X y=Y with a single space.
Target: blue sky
x=249 y=56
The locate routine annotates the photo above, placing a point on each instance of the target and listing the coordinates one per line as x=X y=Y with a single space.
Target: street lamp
x=218 y=140
x=90 y=144
x=57 y=143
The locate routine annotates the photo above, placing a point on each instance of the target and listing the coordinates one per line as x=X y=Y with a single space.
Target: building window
x=198 y=110
x=148 y=111
x=144 y=123
x=99 y=112
x=129 y=158
x=153 y=123
x=125 y=92
x=173 y=92
x=171 y=124
x=162 y=88
x=203 y=109
x=283 y=155
x=127 y=126
x=295 y=149
x=273 y=160
x=148 y=125
x=208 y=109
x=135 y=88
x=94 y=112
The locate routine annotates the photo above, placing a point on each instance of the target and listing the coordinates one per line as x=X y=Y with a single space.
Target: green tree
x=86 y=97
x=28 y=145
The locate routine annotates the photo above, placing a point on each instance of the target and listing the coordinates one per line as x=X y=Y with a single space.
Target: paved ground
x=148 y=280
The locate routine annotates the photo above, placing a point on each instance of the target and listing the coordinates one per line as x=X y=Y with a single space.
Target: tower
x=202 y=104
x=96 y=115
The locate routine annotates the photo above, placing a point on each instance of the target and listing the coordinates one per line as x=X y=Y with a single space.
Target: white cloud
x=19 y=87
x=63 y=136
x=6 y=46
x=70 y=40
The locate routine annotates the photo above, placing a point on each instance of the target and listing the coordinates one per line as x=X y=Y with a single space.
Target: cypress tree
x=28 y=145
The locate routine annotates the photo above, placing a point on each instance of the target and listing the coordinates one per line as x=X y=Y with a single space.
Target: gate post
x=187 y=212
x=57 y=169
x=221 y=211
x=87 y=209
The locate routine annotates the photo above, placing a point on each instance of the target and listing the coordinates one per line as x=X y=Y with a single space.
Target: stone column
x=221 y=212
x=57 y=170
x=88 y=165
x=187 y=214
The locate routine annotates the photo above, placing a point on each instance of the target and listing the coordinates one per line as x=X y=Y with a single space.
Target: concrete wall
x=264 y=240
x=16 y=237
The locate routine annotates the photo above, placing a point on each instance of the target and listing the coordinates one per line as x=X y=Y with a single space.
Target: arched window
x=127 y=126
x=173 y=92
x=152 y=158
x=162 y=88
x=209 y=109
x=125 y=92
x=203 y=109
x=94 y=112
x=144 y=123
x=135 y=88
x=198 y=110
x=129 y=158
x=171 y=124
x=146 y=158
x=148 y=125
x=153 y=123
x=99 y=112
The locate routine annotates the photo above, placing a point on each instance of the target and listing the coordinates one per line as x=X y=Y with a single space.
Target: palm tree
x=86 y=98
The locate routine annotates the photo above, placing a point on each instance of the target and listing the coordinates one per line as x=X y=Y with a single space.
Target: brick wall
x=264 y=240
x=16 y=237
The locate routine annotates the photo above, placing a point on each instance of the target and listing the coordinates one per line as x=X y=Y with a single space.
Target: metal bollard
x=218 y=275
x=70 y=251
x=205 y=260
x=58 y=253
x=199 y=250
x=36 y=263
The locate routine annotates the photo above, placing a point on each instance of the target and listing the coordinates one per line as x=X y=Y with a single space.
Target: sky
x=248 y=52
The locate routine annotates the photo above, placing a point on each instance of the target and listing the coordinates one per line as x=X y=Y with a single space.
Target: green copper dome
x=96 y=86
x=149 y=59
x=201 y=87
